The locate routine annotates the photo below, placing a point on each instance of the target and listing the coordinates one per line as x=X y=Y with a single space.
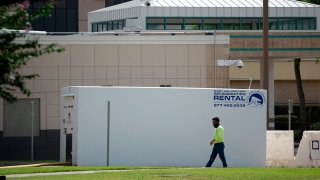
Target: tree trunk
x=303 y=115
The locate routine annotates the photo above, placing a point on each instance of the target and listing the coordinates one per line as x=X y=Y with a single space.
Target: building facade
x=67 y=15
x=164 y=54
x=206 y=15
x=158 y=60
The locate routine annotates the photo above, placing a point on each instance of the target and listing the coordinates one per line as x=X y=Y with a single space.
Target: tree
x=297 y=61
x=312 y=1
x=303 y=115
x=13 y=55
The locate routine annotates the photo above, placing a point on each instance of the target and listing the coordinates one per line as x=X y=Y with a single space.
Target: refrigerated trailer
x=151 y=126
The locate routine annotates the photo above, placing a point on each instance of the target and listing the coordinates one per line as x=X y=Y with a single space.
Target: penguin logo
x=256 y=99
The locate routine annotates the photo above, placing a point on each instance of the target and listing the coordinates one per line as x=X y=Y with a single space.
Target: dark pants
x=218 y=148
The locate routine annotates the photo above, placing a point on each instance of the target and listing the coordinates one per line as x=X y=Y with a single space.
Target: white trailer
x=139 y=126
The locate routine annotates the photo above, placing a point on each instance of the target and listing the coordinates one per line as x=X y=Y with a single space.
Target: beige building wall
x=187 y=61
x=85 y=6
x=284 y=76
x=146 y=65
x=282 y=44
x=283 y=70
x=284 y=47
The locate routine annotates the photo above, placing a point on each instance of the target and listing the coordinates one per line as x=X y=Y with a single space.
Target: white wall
x=280 y=149
x=165 y=127
x=308 y=154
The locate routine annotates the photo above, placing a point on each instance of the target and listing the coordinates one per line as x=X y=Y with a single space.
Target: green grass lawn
x=171 y=173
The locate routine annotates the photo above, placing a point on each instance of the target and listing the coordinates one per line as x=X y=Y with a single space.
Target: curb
x=38 y=165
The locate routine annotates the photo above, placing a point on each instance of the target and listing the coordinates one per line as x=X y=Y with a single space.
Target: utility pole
x=266 y=68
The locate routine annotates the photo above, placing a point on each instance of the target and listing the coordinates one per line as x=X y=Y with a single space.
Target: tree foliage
x=13 y=55
x=312 y=1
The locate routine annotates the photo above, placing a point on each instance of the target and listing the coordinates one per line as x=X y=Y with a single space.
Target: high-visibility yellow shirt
x=219 y=135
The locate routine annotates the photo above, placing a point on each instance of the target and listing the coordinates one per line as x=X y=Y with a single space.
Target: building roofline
x=207 y=4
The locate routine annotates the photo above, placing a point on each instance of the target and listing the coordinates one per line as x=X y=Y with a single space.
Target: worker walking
x=218 y=141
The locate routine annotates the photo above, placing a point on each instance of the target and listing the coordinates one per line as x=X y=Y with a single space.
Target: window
x=107 y=26
x=61 y=4
x=99 y=27
x=18 y=119
x=313 y=24
x=211 y=23
x=104 y=26
x=94 y=27
x=174 y=23
x=121 y=24
x=110 y=25
x=155 y=23
x=72 y=4
x=114 y=25
x=273 y=24
x=306 y=24
x=193 y=23
x=63 y=18
x=293 y=24
x=249 y=23
x=49 y=22
x=72 y=19
x=231 y=24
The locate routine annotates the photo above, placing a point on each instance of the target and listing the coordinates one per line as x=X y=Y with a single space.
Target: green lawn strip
x=198 y=173
x=47 y=169
x=192 y=173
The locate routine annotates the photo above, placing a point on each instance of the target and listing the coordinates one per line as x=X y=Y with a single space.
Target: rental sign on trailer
x=140 y=126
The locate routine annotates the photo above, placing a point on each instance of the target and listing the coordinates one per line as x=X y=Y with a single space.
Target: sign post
x=290 y=110
x=32 y=121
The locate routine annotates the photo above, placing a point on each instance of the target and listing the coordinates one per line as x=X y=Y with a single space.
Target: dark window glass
x=109 y=25
x=61 y=4
x=61 y=20
x=120 y=24
x=312 y=24
x=299 y=24
x=211 y=23
x=38 y=24
x=193 y=23
x=273 y=24
x=50 y=23
x=155 y=27
x=17 y=119
x=306 y=24
x=94 y=27
x=120 y=1
x=104 y=26
x=155 y=20
x=231 y=24
x=293 y=24
x=72 y=20
x=114 y=25
x=72 y=4
x=99 y=27
x=249 y=23
x=174 y=23
x=36 y=4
